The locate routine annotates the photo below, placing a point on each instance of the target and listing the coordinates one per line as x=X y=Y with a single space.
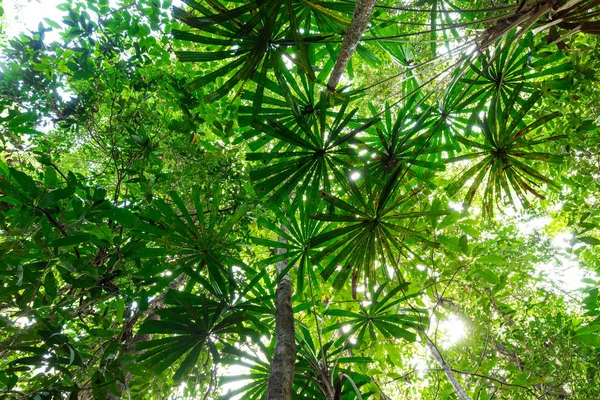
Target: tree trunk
x=325 y=383
x=360 y=20
x=460 y=391
x=129 y=340
x=281 y=377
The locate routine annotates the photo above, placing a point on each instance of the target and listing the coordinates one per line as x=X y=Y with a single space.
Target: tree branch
x=129 y=340
x=448 y=371
x=58 y=226
x=500 y=382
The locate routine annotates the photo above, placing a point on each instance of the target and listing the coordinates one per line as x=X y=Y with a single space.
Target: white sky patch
x=24 y=322
x=562 y=240
x=288 y=63
x=419 y=364
x=456 y=206
x=534 y=225
x=451 y=330
x=561 y=274
x=44 y=369
x=526 y=224
x=564 y=274
x=390 y=271
x=23 y=16
x=234 y=370
x=26 y=15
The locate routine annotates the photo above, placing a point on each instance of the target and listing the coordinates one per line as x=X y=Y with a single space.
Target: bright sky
x=23 y=15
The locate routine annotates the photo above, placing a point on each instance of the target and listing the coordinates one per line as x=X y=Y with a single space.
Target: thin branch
x=125 y=7
x=457 y=10
x=55 y=223
x=499 y=381
x=209 y=211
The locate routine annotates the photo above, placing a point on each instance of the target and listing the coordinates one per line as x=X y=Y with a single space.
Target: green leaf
x=25 y=181
x=72 y=240
x=463 y=244
x=50 y=177
x=105 y=333
x=489 y=276
x=592 y=241
x=492 y=259
x=50 y=285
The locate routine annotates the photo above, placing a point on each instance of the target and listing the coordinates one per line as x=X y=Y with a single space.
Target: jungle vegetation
x=301 y=199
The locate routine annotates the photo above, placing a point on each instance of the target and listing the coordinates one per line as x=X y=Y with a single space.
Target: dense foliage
x=158 y=162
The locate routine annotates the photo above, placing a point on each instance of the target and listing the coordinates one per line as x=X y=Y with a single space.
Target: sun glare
x=451 y=330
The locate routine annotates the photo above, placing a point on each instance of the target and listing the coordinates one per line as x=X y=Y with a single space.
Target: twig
x=499 y=381
x=55 y=223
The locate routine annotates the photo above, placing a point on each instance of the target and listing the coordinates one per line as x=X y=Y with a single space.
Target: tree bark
x=460 y=391
x=281 y=377
x=360 y=20
x=325 y=383
x=129 y=340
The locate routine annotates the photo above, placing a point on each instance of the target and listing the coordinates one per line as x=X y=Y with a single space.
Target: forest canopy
x=294 y=199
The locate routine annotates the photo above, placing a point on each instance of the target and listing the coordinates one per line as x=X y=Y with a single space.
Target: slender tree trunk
x=360 y=20
x=281 y=377
x=129 y=340
x=460 y=391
